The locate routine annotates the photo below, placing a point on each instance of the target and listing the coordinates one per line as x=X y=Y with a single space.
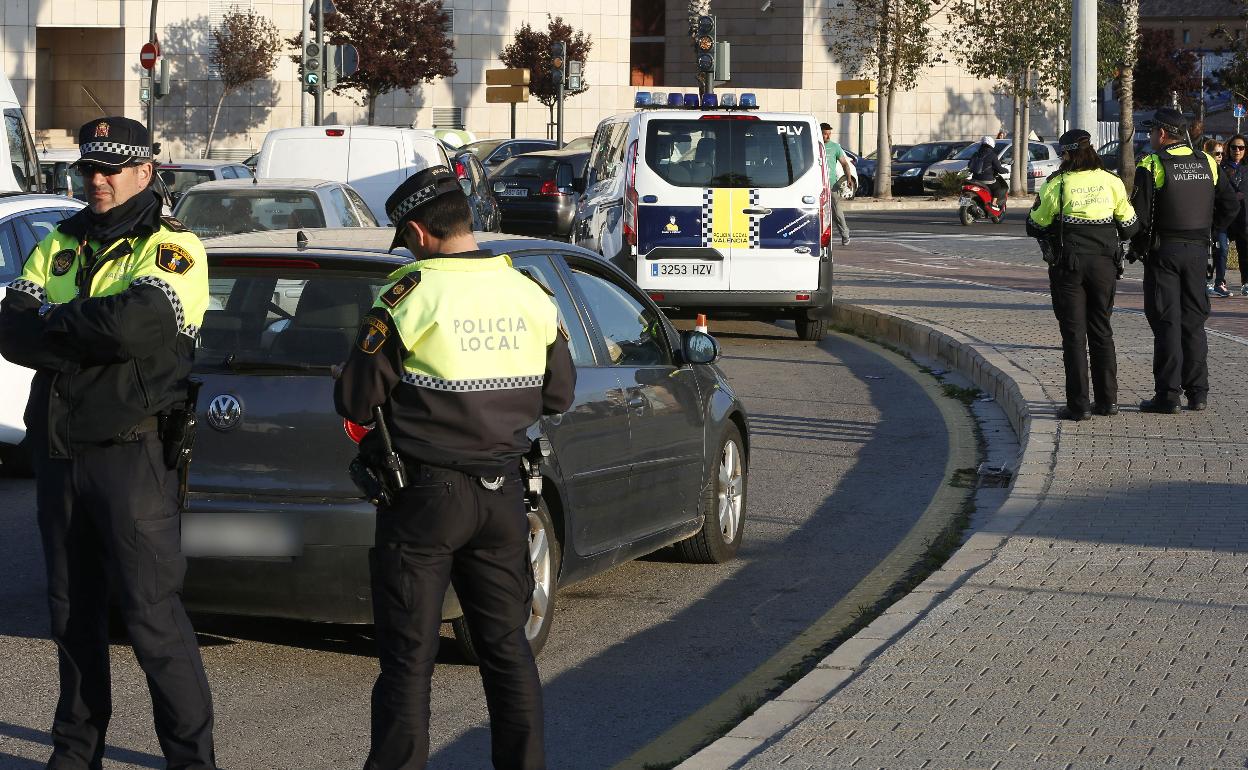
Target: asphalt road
x=847 y=452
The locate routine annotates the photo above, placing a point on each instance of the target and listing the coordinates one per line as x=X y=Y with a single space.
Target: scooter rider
x=986 y=168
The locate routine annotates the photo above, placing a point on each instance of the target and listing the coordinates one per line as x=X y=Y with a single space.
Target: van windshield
x=730 y=152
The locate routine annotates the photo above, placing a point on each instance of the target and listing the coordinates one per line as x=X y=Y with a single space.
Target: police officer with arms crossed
x=1080 y=217
x=464 y=353
x=1181 y=198
x=106 y=312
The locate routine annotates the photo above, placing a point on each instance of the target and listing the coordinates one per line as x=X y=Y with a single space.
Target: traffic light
x=704 y=43
x=312 y=67
x=558 y=61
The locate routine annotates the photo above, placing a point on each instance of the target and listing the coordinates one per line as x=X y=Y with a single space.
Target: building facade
x=73 y=60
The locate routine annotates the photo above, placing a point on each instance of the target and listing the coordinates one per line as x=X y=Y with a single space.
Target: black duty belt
x=146 y=425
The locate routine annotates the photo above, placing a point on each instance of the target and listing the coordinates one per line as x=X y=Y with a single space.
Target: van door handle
x=763 y=212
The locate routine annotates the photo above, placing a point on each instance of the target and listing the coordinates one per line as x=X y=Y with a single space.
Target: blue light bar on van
x=709 y=102
x=658 y=98
x=675 y=100
x=692 y=101
x=728 y=100
x=642 y=99
x=749 y=101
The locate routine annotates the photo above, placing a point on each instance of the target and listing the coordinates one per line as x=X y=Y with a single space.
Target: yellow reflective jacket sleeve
x=21 y=328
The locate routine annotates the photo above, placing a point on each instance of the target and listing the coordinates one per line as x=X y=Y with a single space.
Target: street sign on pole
x=148 y=55
x=854 y=87
x=515 y=76
x=1239 y=111
x=862 y=104
x=506 y=94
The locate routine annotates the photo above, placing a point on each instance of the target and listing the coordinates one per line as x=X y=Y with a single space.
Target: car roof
x=364 y=243
x=59 y=155
x=16 y=203
x=197 y=163
x=554 y=154
x=268 y=184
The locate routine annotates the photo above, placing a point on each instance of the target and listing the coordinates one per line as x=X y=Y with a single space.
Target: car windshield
x=926 y=153
x=536 y=166
x=482 y=149
x=225 y=211
x=282 y=319
x=179 y=180
x=729 y=153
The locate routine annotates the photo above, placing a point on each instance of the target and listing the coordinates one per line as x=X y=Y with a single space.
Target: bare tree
x=247 y=47
x=1126 y=87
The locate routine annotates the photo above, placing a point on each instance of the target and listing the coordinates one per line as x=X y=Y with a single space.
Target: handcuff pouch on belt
x=177 y=429
x=379 y=475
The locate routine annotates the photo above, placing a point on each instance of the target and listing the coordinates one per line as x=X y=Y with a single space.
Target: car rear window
x=729 y=153
x=222 y=212
x=179 y=180
x=283 y=317
x=528 y=166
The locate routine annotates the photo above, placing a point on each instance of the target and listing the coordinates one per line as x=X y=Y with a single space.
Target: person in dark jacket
x=1235 y=167
x=1181 y=197
x=463 y=353
x=107 y=311
x=987 y=168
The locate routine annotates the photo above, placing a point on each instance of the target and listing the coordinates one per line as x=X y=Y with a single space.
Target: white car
x=230 y=206
x=842 y=188
x=1044 y=160
x=24 y=220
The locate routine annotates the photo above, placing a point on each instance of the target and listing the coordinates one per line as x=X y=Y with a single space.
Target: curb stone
x=1022 y=398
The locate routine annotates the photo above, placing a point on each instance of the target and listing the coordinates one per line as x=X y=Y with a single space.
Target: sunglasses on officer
x=89 y=170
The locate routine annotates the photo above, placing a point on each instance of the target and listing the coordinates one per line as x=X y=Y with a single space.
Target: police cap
x=1170 y=119
x=416 y=191
x=114 y=142
x=1073 y=139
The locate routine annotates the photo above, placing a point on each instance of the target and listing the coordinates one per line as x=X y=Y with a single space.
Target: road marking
x=723 y=713
x=924 y=264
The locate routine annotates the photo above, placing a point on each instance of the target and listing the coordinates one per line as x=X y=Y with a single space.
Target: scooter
x=976 y=203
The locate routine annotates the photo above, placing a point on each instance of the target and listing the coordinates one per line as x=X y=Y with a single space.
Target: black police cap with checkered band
x=416 y=191
x=115 y=142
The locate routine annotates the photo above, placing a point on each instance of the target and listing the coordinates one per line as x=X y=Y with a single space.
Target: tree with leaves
x=247 y=49
x=530 y=49
x=892 y=41
x=1164 y=69
x=401 y=44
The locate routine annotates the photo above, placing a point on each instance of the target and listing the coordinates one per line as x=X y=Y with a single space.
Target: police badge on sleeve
x=372 y=334
x=62 y=261
x=172 y=258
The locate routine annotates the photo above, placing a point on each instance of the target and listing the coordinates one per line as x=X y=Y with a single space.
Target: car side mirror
x=466 y=186
x=499 y=187
x=578 y=184
x=698 y=348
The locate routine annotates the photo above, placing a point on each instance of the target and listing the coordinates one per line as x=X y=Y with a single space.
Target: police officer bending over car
x=1081 y=216
x=462 y=353
x=1181 y=198
x=106 y=312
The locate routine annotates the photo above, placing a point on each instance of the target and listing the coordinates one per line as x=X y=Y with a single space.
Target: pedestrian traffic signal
x=312 y=66
x=558 y=61
x=704 y=43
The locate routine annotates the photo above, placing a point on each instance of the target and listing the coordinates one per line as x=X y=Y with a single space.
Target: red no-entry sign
x=148 y=54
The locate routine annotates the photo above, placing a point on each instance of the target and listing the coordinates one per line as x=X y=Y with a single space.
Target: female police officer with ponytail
x=1080 y=217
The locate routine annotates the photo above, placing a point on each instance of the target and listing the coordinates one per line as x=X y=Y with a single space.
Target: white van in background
x=19 y=168
x=372 y=159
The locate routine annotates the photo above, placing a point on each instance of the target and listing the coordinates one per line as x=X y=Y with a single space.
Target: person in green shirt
x=837 y=160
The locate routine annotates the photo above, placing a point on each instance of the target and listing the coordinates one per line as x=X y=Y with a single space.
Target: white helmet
x=988 y=140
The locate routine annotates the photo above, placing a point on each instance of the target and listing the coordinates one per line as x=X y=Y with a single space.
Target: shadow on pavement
x=17 y=732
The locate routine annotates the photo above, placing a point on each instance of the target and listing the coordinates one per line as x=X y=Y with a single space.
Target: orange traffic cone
x=700 y=324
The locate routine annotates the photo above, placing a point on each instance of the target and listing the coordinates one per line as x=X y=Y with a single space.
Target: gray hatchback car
x=652 y=453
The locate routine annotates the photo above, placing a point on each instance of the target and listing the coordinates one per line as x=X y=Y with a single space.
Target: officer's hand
x=1132 y=257
x=336 y=370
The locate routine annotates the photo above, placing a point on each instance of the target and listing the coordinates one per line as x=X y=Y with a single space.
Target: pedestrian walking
x=838 y=162
x=107 y=311
x=1082 y=215
x=1181 y=198
x=462 y=353
x=1235 y=167
x=1215 y=273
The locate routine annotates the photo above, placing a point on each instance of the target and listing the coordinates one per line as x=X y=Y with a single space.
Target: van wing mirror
x=466 y=186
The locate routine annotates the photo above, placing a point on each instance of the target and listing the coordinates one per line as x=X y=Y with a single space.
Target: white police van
x=715 y=207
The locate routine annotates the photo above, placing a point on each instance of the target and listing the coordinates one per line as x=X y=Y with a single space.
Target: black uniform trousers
x=1176 y=306
x=1083 y=300
x=445 y=528
x=109 y=520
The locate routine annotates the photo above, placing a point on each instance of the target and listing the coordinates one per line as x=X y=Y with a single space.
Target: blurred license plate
x=687 y=269
x=515 y=192
x=964 y=201
x=240 y=535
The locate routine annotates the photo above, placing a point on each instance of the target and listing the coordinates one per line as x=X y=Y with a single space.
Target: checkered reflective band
x=31 y=288
x=464 y=386
x=117 y=148
x=190 y=330
x=418 y=198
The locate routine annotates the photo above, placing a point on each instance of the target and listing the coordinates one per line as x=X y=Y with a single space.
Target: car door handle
x=761 y=211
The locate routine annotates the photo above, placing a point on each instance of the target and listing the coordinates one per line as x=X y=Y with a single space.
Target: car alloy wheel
x=731 y=492
x=721 y=505
x=543 y=576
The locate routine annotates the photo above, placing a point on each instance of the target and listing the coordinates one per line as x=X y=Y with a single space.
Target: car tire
x=811 y=329
x=15 y=461
x=545 y=557
x=721 y=506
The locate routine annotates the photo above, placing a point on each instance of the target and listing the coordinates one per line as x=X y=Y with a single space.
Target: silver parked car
x=1043 y=159
x=242 y=206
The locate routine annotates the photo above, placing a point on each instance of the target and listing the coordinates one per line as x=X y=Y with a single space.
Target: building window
x=647 y=49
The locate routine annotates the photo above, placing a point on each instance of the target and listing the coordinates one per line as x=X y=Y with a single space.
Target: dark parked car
x=486 y=216
x=867 y=165
x=494 y=152
x=908 y=169
x=536 y=194
x=653 y=451
x=1109 y=153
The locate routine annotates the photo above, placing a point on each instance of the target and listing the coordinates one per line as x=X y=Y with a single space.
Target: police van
x=714 y=207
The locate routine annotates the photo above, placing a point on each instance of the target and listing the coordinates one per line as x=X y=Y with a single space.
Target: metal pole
x=1083 y=65
x=559 y=121
x=320 y=41
x=305 y=109
x=151 y=94
x=513 y=120
x=1202 y=92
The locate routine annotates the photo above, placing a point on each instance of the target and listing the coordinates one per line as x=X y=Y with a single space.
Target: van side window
x=609 y=149
x=21 y=151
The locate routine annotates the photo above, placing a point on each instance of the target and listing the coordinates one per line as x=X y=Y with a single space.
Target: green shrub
x=950 y=183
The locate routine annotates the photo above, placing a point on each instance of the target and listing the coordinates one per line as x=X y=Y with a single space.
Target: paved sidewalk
x=1099 y=618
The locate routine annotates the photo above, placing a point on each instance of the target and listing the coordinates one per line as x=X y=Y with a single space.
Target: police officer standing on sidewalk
x=106 y=312
x=1181 y=199
x=1080 y=217
x=463 y=353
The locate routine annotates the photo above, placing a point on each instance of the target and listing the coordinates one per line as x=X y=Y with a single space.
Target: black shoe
x=1197 y=404
x=1157 y=406
x=1105 y=410
x=1066 y=413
